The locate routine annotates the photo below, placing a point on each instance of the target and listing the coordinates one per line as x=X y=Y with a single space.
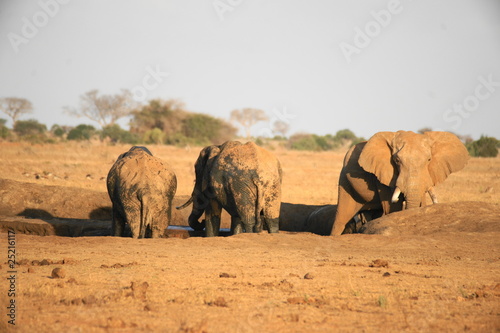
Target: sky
x=318 y=65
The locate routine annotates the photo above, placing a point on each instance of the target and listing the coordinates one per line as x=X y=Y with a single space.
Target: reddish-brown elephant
x=395 y=167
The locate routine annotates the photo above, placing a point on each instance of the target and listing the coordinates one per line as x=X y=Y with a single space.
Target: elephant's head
x=202 y=192
x=411 y=163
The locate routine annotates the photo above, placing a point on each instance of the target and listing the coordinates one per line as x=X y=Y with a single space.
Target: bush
x=320 y=143
x=484 y=147
x=178 y=125
x=4 y=131
x=154 y=136
x=345 y=134
x=82 y=132
x=57 y=131
x=303 y=141
x=117 y=134
x=29 y=127
x=204 y=129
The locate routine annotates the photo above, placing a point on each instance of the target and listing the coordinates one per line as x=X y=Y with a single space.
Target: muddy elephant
x=243 y=179
x=395 y=167
x=141 y=188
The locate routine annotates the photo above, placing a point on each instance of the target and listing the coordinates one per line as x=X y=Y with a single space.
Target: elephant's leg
x=133 y=218
x=248 y=222
x=236 y=226
x=212 y=219
x=347 y=208
x=117 y=224
x=158 y=226
x=271 y=215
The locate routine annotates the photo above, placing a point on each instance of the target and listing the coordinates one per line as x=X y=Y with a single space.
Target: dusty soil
x=431 y=269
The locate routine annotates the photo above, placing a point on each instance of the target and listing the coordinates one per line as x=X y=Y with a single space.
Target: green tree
x=303 y=141
x=116 y=134
x=155 y=136
x=484 y=147
x=165 y=115
x=29 y=127
x=345 y=134
x=205 y=129
x=81 y=132
x=4 y=131
x=57 y=130
x=178 y=126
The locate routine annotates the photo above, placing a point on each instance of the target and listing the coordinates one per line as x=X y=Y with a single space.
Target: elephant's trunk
x=194 y=223
x=413 y=198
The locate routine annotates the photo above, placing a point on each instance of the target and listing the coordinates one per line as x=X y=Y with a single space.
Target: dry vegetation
x=290 y=282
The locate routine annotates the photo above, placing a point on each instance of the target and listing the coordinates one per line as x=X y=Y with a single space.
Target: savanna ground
x=445 y=281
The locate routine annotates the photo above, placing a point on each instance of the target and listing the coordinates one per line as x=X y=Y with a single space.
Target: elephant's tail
x=145 y=217
x=259 y=208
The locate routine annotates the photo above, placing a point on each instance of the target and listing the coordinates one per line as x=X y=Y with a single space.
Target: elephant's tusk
x=395 y=196
x=433 y=196
x=186 y=204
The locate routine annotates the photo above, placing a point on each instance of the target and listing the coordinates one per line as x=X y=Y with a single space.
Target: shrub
x=303 y=141
x=4 y=131
x=178 y=125
x=315 y=142
x=155 y=136
x=57 y=130
x=484 y=147
x=345 y=134
x=81 y=132
x=205 y=129
x=29 y=127
x=117 y=134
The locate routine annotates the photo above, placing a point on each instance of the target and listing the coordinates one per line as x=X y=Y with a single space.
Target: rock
x=90 y=299
x=379 y=263
x=226 y=275
x=139 y=290
x=308 y=276
x=58 y=273
x=219 y=301
x=45 y=262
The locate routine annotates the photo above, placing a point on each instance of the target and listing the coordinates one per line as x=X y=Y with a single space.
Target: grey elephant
x=393 y=168
x=243 y=179
x=141 y=188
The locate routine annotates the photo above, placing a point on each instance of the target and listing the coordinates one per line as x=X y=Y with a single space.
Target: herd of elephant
x=390 y=172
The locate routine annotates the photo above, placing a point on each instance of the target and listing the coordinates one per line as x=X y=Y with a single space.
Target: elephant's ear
x=211 y=153
x=376 y=158
x=448 y=155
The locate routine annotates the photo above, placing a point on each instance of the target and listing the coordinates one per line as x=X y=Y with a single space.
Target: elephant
x=141 y=188
x=395 y=167
x=245 y=180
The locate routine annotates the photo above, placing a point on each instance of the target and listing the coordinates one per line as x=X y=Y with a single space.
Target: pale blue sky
x=423 y=61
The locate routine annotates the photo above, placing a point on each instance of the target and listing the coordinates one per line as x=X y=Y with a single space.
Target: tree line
x=168 y=122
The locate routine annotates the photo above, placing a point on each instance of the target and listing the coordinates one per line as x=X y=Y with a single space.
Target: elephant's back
x=144 y=172
x=248 y=156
